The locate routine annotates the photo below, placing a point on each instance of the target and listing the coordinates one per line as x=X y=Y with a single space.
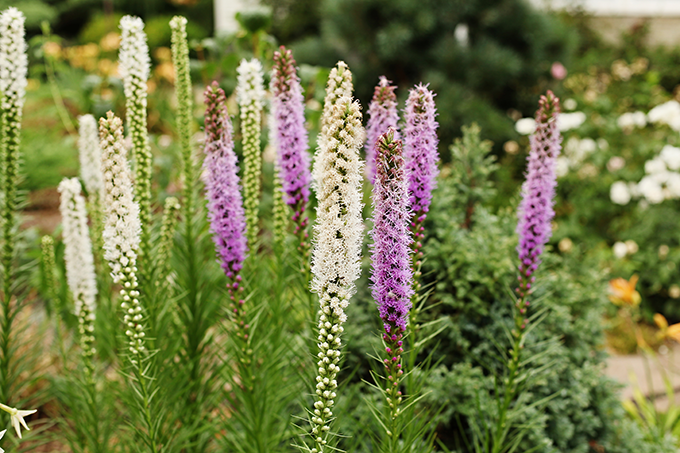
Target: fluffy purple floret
x=420 y=149
x=391 y=253
x=536 y=208
x=291 y=134
x=382 y=114
x=225 y=205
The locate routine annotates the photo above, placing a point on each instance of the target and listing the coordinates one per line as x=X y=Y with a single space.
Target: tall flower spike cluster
x=392 y=275
x=291 y=140
x=122 y=229
x=80 y=273
x=338 y=89
x=536 y=208
x=250 y=94
x=382 y=114
x=225 y=205
x=420 y=152
x=337 y=242
x=180 y=60
x=13 y=69
x=134 y=69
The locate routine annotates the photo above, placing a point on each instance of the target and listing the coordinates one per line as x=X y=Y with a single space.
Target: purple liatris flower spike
x=291 y=135
x=382 y=114
x=225 y=205
x=536 y=209
x=392 y=275
x=420 y=149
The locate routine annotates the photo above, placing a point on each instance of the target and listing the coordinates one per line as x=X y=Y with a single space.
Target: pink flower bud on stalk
x=392 y=274
x=225 y=205
x=382 y=114
x=288 y=112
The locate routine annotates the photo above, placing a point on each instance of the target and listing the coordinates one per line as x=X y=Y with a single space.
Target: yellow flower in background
x=110 y=42
x=52 y=49
x=622 y=292
x=666 y=331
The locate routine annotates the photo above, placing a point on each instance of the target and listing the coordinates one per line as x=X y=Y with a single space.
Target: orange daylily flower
x=666 y=331
x=622 y=292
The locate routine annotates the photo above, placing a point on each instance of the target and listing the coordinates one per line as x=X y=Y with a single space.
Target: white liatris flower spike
x=90 y=155
x=134 y=69
x=122 y=228
x=339 y=87
x=80 y=273
x=13 y=59
x=250 y=95
x=17 y=418
x=337 y=246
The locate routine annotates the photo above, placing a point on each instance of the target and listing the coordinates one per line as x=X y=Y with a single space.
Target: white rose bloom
x=656 y=165
x=570 y=104
x=568 y=121
x=525 y=126
x=651 y=190
x=616 y=163
x=602 y=144
x=673 y=184
x=631 y=246
x=671 y=156
x=666 y=113
x=631 y=120
x=619 y=193
x=620 y=250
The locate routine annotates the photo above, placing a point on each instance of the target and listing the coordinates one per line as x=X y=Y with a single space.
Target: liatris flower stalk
x=17 y=418
x=165 y=242
x=134 y=69
x=250 y=94
x=13 y=68
x=91 y=172
x=180 y=60
x=392 y=274
x=337 y=239
x=338 y=88
x=382 y=114
x=291 y=140
x=281 y=220
x=420 y=152
x=225 y=206
x=80 y=273
x=122 y=229
x=121 y=242
x=535 y=215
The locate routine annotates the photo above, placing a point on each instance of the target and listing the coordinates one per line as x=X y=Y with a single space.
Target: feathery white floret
x=134 y=58
x=90 y=155
x=339 y=226
x=13 y=59
x=339 y=87
x=80 y=273
x=250 y=84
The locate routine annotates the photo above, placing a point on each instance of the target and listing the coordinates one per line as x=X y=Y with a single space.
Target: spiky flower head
x=338 y=89
x=392 y=275
x=382 y=114
x=13 y=59
x=420 y=149
x=80 y=273
x=291 y=134
x=337 y=245
x=134 y=69
x=225 y=205
x=250 y=95
x=90 y=155
x=122 y=228
x=535 y=212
